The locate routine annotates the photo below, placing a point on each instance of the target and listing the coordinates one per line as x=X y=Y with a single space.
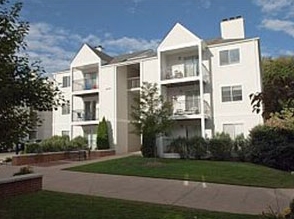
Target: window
x=65 y=109
x=65 y=133
x=65 y=81
x=233 y=129
x=227 y=57
x=191 y=66
x=231 y=93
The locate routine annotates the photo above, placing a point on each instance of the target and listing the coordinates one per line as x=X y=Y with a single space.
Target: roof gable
x=85 y=56
x=179 y=35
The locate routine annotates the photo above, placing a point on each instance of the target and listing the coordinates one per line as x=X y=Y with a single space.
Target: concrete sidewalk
x=209 y=196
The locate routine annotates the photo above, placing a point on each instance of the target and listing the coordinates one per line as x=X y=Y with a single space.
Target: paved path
x=217 y=197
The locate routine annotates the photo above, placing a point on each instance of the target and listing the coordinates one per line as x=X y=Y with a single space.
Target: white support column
x=201 y=90
x=71 y=102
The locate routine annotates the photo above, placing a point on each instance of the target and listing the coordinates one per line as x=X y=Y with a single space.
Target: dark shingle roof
x=133 y=56
x=101 y=54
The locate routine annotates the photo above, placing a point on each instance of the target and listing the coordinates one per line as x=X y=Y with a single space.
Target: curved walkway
x=209 y=196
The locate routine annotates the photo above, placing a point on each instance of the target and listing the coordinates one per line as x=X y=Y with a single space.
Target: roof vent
x=99 y=48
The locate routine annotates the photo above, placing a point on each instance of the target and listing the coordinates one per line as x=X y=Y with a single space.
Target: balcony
x=81 y=115
x=85 y=84
x=133 y=83
x=190 y=108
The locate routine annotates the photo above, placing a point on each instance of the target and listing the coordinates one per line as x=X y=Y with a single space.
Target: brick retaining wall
x=27 y=159
x=18 y=185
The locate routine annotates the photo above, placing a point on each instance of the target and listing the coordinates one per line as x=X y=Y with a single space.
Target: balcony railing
x=133 y=82
x=85 y=84
x=182 y=72
x=80 y=115
x=187 y=107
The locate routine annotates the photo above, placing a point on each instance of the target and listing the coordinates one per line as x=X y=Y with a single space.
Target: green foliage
x=102 y=135
x=151 y=117
x=273 y=147
x=283 y=120
x=33 y=148
x=241 y=147
x=193 y=148
x=24 y=88
x=24 y=170
x=278 y=86
x=220 y=146
x=78 y=143
x=55 y=143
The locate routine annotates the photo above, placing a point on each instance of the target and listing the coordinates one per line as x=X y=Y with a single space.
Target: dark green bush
x=193 y=148
x=273 y=147
x=55 y=143
x=33 y=148
x=148 y=148
x=220 y=146
x=78 y=143
x=102 y=135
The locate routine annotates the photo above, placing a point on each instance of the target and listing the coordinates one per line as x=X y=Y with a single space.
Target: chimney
x=99 y=48
x=232 y=28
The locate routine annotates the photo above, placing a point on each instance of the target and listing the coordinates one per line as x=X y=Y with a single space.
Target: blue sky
x=60 y=27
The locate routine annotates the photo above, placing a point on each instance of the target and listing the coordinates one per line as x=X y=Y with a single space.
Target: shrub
x=193 y=148
x=8 y=159
x=102 y=135
x=33 y=148
x=55 y=143
x=220 y=146
x=273 y=147
x=241 y=147
x=148 y=148
x=23 y=171
x=78 y=143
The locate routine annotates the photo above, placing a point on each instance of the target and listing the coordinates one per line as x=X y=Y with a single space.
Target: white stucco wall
x=61 y=122
x=149 y=71
x=247 y=74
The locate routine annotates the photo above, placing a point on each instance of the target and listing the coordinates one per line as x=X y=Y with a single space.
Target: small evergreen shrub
x=55 y=143
x=273 y=147
x=23 y=171
x=241 y=147
x=220 y=146
x=148 y=148
x=33 y=148
x=102 y=135
x=78 y=143
x=193 y=148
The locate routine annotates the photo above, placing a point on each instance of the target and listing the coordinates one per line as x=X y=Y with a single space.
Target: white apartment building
x=207 y=81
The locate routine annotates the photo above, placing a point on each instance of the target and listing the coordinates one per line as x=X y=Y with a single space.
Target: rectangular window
x=65 y=133
x=227 y=57
x=191 y=66
x=65 y=109
x=233 y=129
x=231 y=93
x=65 y=81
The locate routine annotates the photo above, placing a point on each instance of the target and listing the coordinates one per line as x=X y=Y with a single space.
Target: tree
x=151 y=117
x=102 y=135
x=278 y=86
x=24 y=88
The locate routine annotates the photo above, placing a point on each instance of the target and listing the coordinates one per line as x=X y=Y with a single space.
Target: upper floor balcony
x=85 y=84
x=82 y=115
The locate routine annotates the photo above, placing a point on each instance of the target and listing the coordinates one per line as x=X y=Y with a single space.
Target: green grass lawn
x=53 y=205
x=236 y=173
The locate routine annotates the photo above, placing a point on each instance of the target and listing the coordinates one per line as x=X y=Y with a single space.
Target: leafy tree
x=278 y=86
x=24 y=88
x=282 y=120
x=151 y=117
x=102 y=135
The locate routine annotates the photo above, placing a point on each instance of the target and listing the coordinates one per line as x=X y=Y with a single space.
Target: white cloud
x=205 y=3
x=56 y=46
x=273 y=6
x=285 y=26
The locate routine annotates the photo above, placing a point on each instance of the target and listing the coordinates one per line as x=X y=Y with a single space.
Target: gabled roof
x=221 y=40
x=133 y=56
x=101 y=54
x=178 y=35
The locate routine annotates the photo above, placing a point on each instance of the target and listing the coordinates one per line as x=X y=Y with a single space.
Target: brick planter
x=27 y=159
x=18 y=185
